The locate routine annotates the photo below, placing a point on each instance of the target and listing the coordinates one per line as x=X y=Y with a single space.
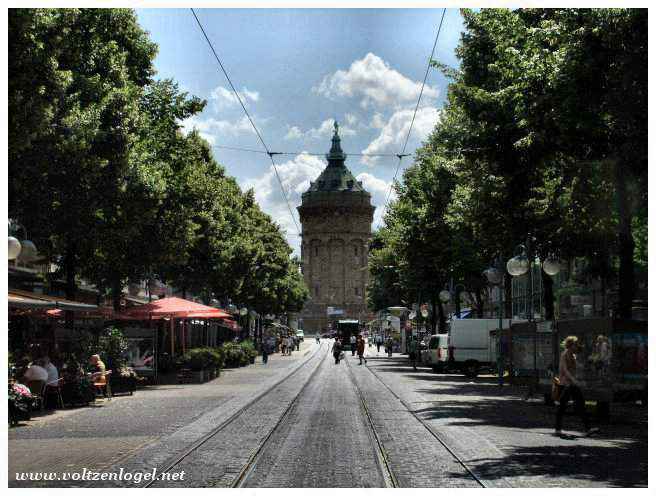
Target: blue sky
x=296 y=71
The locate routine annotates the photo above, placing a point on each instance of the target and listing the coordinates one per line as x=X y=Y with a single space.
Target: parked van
x=437 y=353
x=470 y=346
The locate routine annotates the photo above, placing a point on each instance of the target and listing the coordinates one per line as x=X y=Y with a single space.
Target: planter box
x=187 y=376
x=123 y=385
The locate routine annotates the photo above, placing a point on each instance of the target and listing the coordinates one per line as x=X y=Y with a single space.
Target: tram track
x=236 y=415
x=382 y=457
x=479 y=480
x=249 y=467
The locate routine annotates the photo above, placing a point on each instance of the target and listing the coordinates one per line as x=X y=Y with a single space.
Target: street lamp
x=521 y=264
x=494 y=277
x=24 y=250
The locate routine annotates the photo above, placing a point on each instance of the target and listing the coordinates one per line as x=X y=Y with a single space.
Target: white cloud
x=294 y=132
x=378 y=121
x=325 y=130
x=351 y=119
x=379 y=190
x=295 y=175
x=375 y=82
x=223 y=97
x=209 y=128
x=394 y=131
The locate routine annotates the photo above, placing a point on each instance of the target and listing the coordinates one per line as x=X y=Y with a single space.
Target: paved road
x=325 y=439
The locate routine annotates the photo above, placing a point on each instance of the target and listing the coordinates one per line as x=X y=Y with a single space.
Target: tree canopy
x=544 y=132
x=107 y=183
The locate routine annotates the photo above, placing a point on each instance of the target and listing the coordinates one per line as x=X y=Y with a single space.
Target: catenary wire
x=268 y=152
x=407 y=137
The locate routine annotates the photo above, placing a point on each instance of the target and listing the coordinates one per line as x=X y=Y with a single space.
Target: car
x=300 y=334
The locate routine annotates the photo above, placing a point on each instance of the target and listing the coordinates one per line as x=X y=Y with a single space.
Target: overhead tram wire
x=234 y=90
x=407 y=137
x=313 y=154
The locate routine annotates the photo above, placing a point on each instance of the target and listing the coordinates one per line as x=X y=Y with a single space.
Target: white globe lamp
x=14 y=248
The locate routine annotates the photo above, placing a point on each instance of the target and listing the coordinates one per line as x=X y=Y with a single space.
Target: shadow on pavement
x=586 y=463
x=463 y=402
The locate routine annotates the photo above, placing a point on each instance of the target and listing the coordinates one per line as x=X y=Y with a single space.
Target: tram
x=346 y=329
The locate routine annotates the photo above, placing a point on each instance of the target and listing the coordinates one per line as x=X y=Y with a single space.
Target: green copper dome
x=336 y=177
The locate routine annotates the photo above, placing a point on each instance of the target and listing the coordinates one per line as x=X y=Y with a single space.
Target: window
x=316 y=251
x=357 y=290
x=316 y=290
x=355 y=249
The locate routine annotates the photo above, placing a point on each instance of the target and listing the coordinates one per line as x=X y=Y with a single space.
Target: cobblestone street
x=303 y=421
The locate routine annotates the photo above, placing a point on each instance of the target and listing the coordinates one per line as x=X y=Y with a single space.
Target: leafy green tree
x=88 y=66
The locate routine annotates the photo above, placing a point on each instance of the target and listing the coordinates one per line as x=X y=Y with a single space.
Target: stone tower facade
x=336 y=216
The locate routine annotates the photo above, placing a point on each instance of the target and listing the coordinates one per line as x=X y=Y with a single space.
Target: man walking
x=412 y=349
x=379 y=342
x=360 y=349
x=337 y=350
x=353 y=344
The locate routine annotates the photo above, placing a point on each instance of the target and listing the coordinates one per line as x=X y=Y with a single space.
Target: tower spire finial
x=336 y=156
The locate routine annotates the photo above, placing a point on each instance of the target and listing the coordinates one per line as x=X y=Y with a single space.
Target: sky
x=298 y=70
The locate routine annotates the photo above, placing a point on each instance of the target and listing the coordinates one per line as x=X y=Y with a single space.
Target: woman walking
x=570 y=387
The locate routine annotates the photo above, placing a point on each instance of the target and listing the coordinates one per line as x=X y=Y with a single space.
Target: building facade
x=336 y=215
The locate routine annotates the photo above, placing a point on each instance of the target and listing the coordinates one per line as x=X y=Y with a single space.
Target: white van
x=470 y=344
x=437 y=353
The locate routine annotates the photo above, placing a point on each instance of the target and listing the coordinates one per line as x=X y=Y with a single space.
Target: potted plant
x=20 y=403
x=249 y=349
x=234 y=355
x=202 y=362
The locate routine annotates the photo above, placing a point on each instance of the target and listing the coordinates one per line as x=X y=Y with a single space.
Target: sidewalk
x=500 y=434
x=98 y=436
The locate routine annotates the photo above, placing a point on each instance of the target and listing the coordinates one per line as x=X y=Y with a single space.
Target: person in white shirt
x=35 y=372
x=53 y=374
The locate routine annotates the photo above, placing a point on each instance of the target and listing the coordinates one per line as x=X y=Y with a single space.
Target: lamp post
x=494 y=276
x=519 y=265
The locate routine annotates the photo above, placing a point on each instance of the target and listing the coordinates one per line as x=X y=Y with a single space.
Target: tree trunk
x=70 y=266
x=117 y=292
x=433 y=313
x=547 y=282
x=626 y=244
x=442 y=322
x=457 y=302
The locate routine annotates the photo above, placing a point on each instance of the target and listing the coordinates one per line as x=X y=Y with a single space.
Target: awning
x=24 y=299
x=176 y=308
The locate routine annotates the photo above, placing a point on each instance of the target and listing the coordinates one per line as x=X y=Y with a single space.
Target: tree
x=70 y=166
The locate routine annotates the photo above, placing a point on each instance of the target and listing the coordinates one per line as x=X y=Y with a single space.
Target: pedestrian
x=379 y=342
x=353 y=344
x=570 y=387
x=412 y=351
x=388 y=346
x=360 y=349
x=265 y=351
x=318 y=339
x=283 y=346
x=337 y=351
x=298 y=343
